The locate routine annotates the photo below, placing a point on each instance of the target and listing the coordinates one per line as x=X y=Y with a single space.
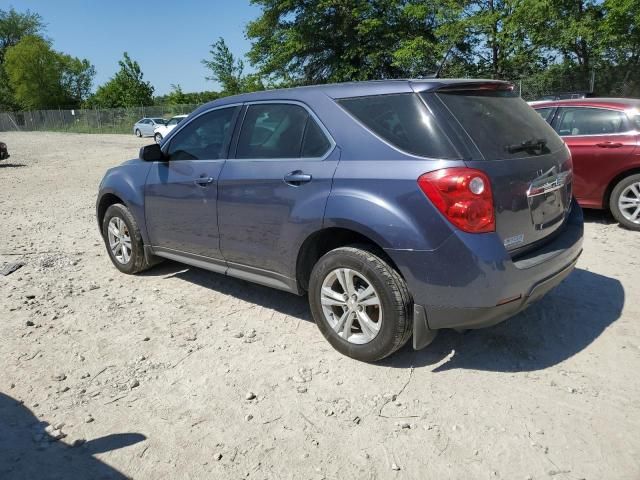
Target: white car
x=162 y=131
x=145 y=126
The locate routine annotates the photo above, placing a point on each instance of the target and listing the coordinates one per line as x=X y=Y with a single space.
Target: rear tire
x=123 y=240
x=387 y=309
x=624 y=202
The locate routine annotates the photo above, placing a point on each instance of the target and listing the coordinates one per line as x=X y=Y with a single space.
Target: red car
x=603 y=135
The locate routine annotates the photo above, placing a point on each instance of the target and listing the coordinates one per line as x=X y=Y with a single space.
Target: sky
x=168 y=38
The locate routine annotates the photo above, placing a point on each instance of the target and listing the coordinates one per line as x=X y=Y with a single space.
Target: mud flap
x=422 y=334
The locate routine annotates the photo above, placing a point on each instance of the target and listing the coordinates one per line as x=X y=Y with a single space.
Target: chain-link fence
x=609 y=82
x=612 y=82
x=113 y=120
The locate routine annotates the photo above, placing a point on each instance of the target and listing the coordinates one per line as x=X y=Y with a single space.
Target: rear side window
x=501 y=124
x=403 y=121
x=590 y=121
x=275 y=130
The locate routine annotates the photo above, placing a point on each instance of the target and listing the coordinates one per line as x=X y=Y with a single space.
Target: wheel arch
x=322 y=241
x=612 y=184
x=106 y=200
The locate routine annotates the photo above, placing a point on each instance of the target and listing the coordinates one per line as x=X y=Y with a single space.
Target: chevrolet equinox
x=399 y=207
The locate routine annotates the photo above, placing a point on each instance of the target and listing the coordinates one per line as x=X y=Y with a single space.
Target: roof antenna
x=441 y=66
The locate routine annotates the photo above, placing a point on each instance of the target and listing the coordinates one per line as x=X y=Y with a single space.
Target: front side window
x=205 y=137
x=574 y=121
x=403 y=121
x=275 y=130
x=546 y=113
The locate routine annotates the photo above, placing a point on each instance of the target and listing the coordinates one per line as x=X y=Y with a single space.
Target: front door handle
x=203 y=181
x=297 y=178
x=609 y=145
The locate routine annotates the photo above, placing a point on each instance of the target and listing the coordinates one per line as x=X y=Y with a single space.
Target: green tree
x=14 y=26
x=621 y=33
x=177 y=97
x=40 y=77
x=303 y=42
x=229 y=71
x=126 y=89
x=77 y=78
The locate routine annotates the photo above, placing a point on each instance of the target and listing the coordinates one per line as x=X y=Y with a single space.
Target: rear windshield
x=501 y=124
x=403 y=121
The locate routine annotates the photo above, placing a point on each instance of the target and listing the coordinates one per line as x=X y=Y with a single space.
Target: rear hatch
x=528 y=164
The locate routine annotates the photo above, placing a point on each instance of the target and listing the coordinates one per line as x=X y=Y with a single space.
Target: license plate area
x=547 y=209
x=548 y=199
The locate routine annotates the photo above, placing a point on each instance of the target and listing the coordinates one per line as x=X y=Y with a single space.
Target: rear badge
x=515 y=240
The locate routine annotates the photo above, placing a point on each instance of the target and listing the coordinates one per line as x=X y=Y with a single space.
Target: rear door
x=181 y=193
x=272 y=195
x=601 y=141
x=528 y=164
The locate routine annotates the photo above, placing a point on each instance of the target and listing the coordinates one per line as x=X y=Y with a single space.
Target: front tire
x=138 y=133
x=123 y=240
x=360 y=303
x=158 y=137
x=625 y=202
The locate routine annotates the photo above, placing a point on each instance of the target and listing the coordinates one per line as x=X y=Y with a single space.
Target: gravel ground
x=182 y=373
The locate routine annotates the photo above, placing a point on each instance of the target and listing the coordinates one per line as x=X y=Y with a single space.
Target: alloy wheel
x=119 y=240
x=351 y=305
x=629 y=203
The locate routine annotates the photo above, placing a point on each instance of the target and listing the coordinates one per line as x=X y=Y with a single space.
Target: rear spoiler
x=491 y=85
x=463 y=86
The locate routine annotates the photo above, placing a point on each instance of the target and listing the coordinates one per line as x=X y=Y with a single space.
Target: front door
x=599 y=144
x=272 y=195
x=181 y=192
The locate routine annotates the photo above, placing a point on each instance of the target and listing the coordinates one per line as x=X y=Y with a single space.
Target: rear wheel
x=625 y=202
x=123 y=240
x=360 y=303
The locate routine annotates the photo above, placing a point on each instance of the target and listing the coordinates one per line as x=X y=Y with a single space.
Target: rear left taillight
x=463 y=195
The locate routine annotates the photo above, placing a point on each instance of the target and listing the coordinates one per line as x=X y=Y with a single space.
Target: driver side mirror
x=151 y=153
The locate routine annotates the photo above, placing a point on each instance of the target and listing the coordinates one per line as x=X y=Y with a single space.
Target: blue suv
x=399 y=207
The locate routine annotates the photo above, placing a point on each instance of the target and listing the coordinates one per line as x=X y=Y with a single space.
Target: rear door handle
x=203 y=181
x=609 y=145
x=297 y=178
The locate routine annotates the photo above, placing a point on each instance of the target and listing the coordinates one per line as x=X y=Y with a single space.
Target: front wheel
x=360 y=303
x=625 y=202
x=138 y=133
x=158 y=137
x=123 y=240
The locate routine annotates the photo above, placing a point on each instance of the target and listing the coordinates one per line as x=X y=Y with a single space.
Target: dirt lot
x=153 y=372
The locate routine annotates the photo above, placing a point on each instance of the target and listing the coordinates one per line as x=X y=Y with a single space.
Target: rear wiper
x=536 y=144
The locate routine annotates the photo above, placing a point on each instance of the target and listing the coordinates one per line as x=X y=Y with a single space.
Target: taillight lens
x=463 y=195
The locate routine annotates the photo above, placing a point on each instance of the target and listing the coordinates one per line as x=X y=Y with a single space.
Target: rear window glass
x=403 y=121
x=501 y=124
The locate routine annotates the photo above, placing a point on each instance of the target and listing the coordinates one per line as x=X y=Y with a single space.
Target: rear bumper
x=471 y=281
